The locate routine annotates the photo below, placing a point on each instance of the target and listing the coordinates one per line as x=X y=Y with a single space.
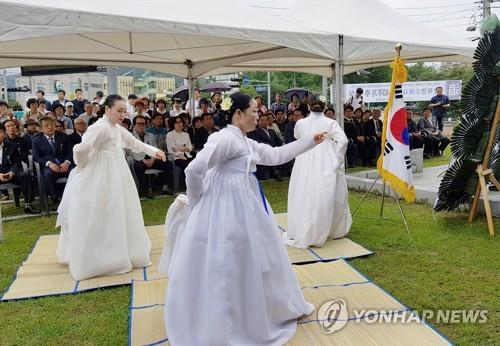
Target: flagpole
x=382 y=204
x=398 y=47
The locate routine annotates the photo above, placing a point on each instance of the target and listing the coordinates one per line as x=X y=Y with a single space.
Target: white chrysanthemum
x=226 y=104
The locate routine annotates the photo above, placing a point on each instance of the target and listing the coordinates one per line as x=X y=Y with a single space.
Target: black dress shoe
x=30 y=210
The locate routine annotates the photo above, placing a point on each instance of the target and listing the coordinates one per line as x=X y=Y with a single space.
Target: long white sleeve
x=270 y=156
x=132 y=143
x=217 y=149
x=91 y=140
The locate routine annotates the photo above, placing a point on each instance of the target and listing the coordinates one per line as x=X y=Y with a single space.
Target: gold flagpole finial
x=399 y=46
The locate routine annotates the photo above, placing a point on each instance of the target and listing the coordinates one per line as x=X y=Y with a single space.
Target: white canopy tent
x=159 y=35
x=359 y=34
x=182 y=38
x=196 y=39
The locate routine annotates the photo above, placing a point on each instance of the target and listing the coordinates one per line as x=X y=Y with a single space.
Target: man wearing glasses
x=143 y=162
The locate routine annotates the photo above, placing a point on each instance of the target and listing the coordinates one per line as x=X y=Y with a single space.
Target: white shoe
x=310 y=309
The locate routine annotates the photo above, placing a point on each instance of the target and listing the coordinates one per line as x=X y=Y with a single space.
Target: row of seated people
x=52 y=149
x=364 y=131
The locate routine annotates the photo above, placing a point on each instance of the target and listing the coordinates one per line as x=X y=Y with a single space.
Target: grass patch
x=444 y=263
x=432 y=162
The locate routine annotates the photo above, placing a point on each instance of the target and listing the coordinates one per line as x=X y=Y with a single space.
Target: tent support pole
x=331 y=95
x=192 y=107
x=268 y=89
x=339 y=74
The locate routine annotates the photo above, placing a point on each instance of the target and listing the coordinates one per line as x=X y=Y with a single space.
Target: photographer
x=439 y=105
x=356 y=100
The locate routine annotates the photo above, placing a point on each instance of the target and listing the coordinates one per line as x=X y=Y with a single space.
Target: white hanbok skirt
x=102 y=228
x=231 y=281
x=318 y=207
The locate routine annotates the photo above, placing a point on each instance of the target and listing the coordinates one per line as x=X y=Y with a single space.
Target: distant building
x=147 y=84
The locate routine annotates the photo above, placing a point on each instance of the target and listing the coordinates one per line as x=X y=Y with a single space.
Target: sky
x=451 y=16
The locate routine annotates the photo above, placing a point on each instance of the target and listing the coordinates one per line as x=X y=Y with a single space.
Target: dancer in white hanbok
x=318 y=208
x=102 y=229
x=230 y=279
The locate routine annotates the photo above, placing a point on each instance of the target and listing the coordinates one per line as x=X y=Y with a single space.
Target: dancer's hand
x=320 y=137
x=160 y=154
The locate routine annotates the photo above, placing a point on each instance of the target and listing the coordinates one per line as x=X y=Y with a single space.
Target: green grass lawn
x=432 y=162
x=444 y=263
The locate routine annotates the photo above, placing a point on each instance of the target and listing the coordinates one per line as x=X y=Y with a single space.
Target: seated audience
x=11 y=170
x=427 y=126
x=264 y=134
x=53 y=151
x=179 y=145
x=143 y=162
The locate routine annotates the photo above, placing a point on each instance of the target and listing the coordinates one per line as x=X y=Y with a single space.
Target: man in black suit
x=353 y=133
x=79 y=102
x=268 y=136
x=417 y=138
x=53 y=151
x=371 y=141
x=22 y=145
x=200 y=134
x=299 y=113
x=11 y=171
x=80 y=128
x=378 y=125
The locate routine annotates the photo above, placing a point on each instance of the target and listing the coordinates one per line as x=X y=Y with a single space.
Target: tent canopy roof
x=146 y=35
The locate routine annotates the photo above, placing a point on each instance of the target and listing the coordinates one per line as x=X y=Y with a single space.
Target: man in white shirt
x=89 y=112
x=356 y=100
x=131 y=106
x=197 y=97
x=61 y=100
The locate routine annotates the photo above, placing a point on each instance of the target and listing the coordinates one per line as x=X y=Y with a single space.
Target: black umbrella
x=216 y=87
x=181 y=93
x=301 y=92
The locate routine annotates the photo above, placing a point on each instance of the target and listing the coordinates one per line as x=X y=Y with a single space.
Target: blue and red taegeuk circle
x=399 y=127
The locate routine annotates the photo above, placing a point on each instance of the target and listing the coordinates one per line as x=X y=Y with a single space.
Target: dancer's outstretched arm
x=270 y=156
x=91 y=140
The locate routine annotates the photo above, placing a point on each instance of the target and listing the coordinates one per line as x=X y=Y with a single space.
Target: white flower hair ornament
x=226 y=104
x=322 y=98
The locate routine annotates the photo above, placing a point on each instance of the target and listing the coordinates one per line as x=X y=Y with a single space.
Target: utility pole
x=5 y=94
x=486 y=8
